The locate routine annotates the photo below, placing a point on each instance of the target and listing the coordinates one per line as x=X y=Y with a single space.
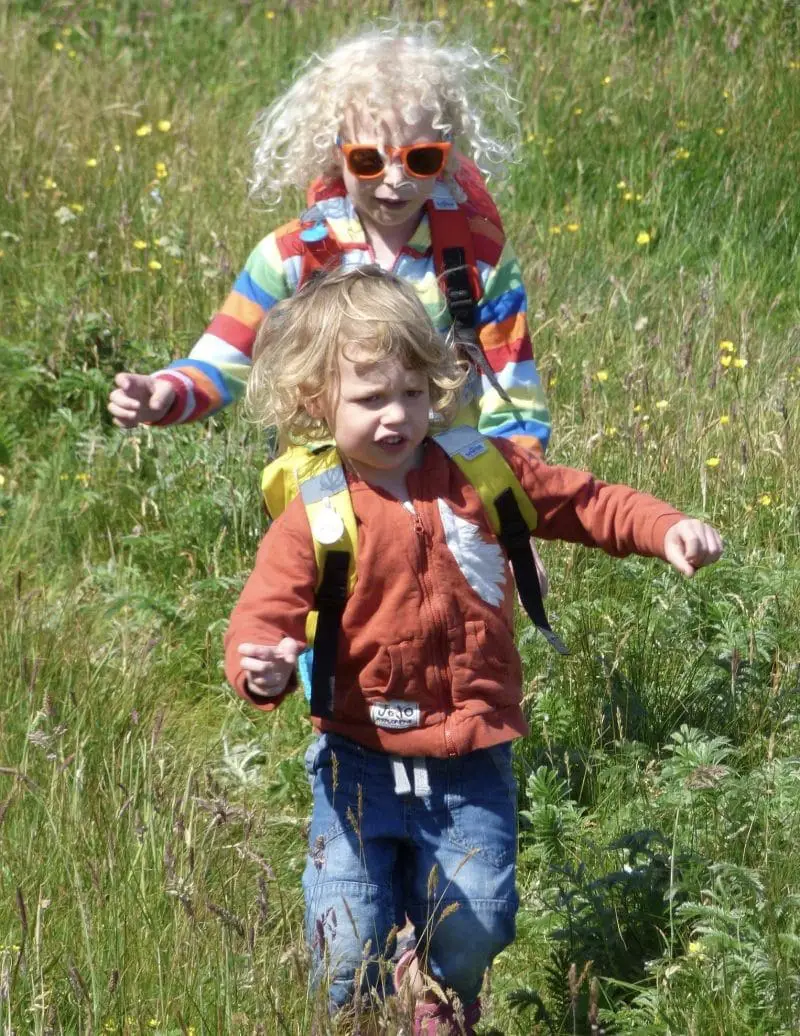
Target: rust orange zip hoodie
x=427 y=663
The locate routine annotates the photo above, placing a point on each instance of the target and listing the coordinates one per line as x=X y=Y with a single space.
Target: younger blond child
x=414 y=803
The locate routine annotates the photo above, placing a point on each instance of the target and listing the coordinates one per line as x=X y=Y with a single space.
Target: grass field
x=151 y=827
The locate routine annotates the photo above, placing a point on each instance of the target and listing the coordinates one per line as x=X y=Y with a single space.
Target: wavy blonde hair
x=406 y=70
x=297 y=349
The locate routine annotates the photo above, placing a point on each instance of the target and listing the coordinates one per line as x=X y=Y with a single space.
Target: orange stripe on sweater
x=498 y=336
x=243 y=310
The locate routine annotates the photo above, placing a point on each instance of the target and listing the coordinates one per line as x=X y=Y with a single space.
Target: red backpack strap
x=321 y=250
x=469 y=179
x=321 y=190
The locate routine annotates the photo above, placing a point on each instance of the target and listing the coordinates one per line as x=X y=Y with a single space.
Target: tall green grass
x=151 y=827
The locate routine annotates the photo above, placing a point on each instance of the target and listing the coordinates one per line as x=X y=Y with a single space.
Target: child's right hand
x=269 y=666
x=139 y=398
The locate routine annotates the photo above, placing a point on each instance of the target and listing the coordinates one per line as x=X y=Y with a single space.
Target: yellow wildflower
x=58 y=45
x=577 y=111
x=141 y=245
x=682 y=124
x=724 y=419
x=118 y=148
x=164 y=125
x=531 y=137
x=726 y=359
x=154 y=264
x=555 y=229
x=66 y=32
x=712 y=462
x=76 y=206
x=144 y=130
x=637 y=408
x=638 y=197
x=621 y=185
x=49 y=183
x=720 y=131
x=611 y=431
x=573 y=228
x=161 y=170
x=642 y=238
x=602 y=376
x=680 y=154
x=83 y=477
x=2 y=479
x=489 y=5
x=765 y=500
x=726 y=94
x=695 y=947
x=627 y=196
x=91 y=163
x=605 y=80
x=740 y=362
x=269 y=15
x=794 y=65
x=727 y=347
x=662 y=405
x=72 y=54
x=441 y=11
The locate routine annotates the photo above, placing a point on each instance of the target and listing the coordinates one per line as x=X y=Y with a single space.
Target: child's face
x=379 y=416
x=393 y=198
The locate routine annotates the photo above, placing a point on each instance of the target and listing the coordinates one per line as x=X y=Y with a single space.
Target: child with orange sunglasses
x=376 y=122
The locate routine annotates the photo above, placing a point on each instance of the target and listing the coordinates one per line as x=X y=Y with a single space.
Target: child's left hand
x=690 y=544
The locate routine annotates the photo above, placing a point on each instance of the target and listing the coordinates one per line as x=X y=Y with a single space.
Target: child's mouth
x=393 y=203
x=392 y=443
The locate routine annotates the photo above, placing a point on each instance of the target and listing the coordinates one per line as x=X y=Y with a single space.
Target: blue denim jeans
x=446 y=859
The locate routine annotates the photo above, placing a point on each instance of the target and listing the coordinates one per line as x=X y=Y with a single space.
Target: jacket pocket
x=481 y=665
x=393 y=672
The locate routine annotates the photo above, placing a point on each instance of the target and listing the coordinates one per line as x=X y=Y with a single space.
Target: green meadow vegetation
x=152 y=828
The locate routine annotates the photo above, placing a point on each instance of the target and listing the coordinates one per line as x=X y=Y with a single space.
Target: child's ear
x=314 y=409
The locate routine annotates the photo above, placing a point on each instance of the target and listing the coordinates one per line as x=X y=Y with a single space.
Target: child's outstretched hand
x=690 y=544
x=269 y=666
x=139 y=398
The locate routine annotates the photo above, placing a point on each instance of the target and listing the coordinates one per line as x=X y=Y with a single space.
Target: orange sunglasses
x=421 y=161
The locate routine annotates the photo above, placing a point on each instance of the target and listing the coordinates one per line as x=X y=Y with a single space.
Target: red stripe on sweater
x=516 y=351
x=234 y=332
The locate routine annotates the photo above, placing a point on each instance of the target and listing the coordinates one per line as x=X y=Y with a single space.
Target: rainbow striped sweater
x=215 y=372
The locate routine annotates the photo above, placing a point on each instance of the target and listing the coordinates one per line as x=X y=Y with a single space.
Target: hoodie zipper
x=442 y=666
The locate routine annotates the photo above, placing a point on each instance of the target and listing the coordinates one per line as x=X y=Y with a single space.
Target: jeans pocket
x=483 y=807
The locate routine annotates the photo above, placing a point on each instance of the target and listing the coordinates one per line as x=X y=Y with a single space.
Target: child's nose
x=394 y=173
x=394 y=412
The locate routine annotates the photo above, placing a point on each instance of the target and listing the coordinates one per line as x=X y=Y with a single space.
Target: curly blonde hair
x=296 y=352
x=407 y=70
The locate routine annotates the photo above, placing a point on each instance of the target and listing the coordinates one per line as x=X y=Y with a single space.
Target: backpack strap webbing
x=331 y=598
x=511 y=514
x=515 y=537
x=457 y=269
x=317 y=476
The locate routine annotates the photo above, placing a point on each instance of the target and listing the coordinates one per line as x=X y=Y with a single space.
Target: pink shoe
x=401 y=967
x=440 y=1020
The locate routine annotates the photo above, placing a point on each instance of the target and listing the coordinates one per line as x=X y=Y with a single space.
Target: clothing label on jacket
x=395 y=715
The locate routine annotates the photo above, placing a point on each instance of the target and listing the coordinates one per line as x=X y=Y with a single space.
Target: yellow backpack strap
x=320 y=480
x=511 y=514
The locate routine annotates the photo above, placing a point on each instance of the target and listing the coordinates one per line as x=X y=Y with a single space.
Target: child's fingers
x=704 y=548
x=287 y=651
x=263 y=651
